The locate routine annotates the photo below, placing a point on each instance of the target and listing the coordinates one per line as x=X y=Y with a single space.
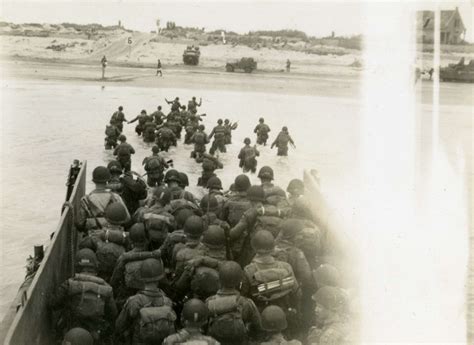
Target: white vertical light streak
x=436 y=65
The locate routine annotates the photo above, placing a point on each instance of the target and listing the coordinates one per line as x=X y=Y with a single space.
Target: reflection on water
x=45 y=125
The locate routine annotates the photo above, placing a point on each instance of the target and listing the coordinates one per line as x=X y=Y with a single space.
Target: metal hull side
x=32 y=323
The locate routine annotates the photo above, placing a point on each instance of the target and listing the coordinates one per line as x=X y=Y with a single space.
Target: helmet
x=138 y=233
x=122 y=137
x=247 y=141
x=285 y=129
x=242 y=183
x=116 y=213
x=101 y=175
x=86 y=258
x=181 y=217
x=114 y=167
x=209 y=203
x=290 y=227
x=162 y=195
x=195 y=311
x=256 y=193
x=120 y=108
x=214 y=237
x=143 y=111
x=159 y=107
x=265 y=172
x=194 y=226
x=226 y=121
x=151 y=270
x=202 y=127
x=295 y=186
x=183 y=180
x=214 y=182
x=263 y=242
x=183 y=107
x=78 y=336
x=326 y=275
x=330 y=297
x=194 y=97
x=219 y=121
x=172 y=175
x=176 y=99
x=274 y=319
x=260 y=119
x=230 y=274
x=155 y=149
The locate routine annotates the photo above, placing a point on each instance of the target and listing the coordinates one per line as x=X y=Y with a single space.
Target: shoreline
x=181 y=76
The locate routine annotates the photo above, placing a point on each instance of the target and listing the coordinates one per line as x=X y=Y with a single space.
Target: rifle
x=273 y=286
x=88 y=209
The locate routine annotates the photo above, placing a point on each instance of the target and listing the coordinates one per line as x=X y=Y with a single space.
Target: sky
x=316 y=18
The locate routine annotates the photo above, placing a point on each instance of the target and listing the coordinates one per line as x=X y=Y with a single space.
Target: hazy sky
x=317 y=18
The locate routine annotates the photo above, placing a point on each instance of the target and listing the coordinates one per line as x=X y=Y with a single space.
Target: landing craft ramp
x=31 y=323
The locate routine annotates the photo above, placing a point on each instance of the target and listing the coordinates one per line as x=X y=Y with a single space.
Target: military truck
x=458 y=72
x=245 y=64
x=191 y=55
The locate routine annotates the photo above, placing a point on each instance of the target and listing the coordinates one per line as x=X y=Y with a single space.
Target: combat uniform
x=219 y=139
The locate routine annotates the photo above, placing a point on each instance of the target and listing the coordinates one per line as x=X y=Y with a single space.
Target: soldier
x=194 y=319
x=192 y=104
x=78 y=336
x=114 y=183
x=248 y=157
x=158 y=116
x=214 y=185
x=257 y=217
x=326 y=275
x=274 y=195
x=269 y=281
x=209 y=165
x=200 y=140
x=110 y=241
x=262 y=131
x=331 y=322
x=233 y=318
x=295 y=190
x=173 y=179
x=118 y=118
x=219 y=138
x=142 y=119
x=281 y=142
x=229 y=127
x=149 y=131
x=274 y=324
x=238 y=202
x=165 y=138
x=103 y=62
x=147 y=317
x=175 y=105
x=86 y=300
x=112 y=133
x=91 y=214
x=154 y=166
x=124 y=152
x=134 y=190
x=158 y=221
x=158 y=68
x=210 y=207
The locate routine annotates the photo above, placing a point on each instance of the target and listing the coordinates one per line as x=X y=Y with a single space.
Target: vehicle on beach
x=191 y=55
x=459 y=72
x=246 y=64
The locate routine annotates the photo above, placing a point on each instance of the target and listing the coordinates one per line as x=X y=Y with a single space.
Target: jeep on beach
x=191 y=55
x=458 y=72
x=245 y=64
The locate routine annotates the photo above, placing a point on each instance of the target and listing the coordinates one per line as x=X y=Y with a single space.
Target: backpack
x=132 y=274
x=237 y=210
x=109 y=251
x=155 y=322
x=110 y=131
x=157 y=226
x=205 y=282
x=181 y=203
x=94 y=291
x=269 y=220
x=272 y=283
x=226 y=321
x=200 y=138
x=123 y=151
x=153 y=164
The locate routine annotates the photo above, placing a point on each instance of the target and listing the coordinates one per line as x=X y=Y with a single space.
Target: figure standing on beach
x=288 y=65
x=104 y=64
x=158 y=68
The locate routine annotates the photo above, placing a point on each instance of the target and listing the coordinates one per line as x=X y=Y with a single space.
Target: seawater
x=45 y=125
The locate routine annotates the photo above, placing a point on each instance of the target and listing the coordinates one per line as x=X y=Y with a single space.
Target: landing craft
x=30 y=321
